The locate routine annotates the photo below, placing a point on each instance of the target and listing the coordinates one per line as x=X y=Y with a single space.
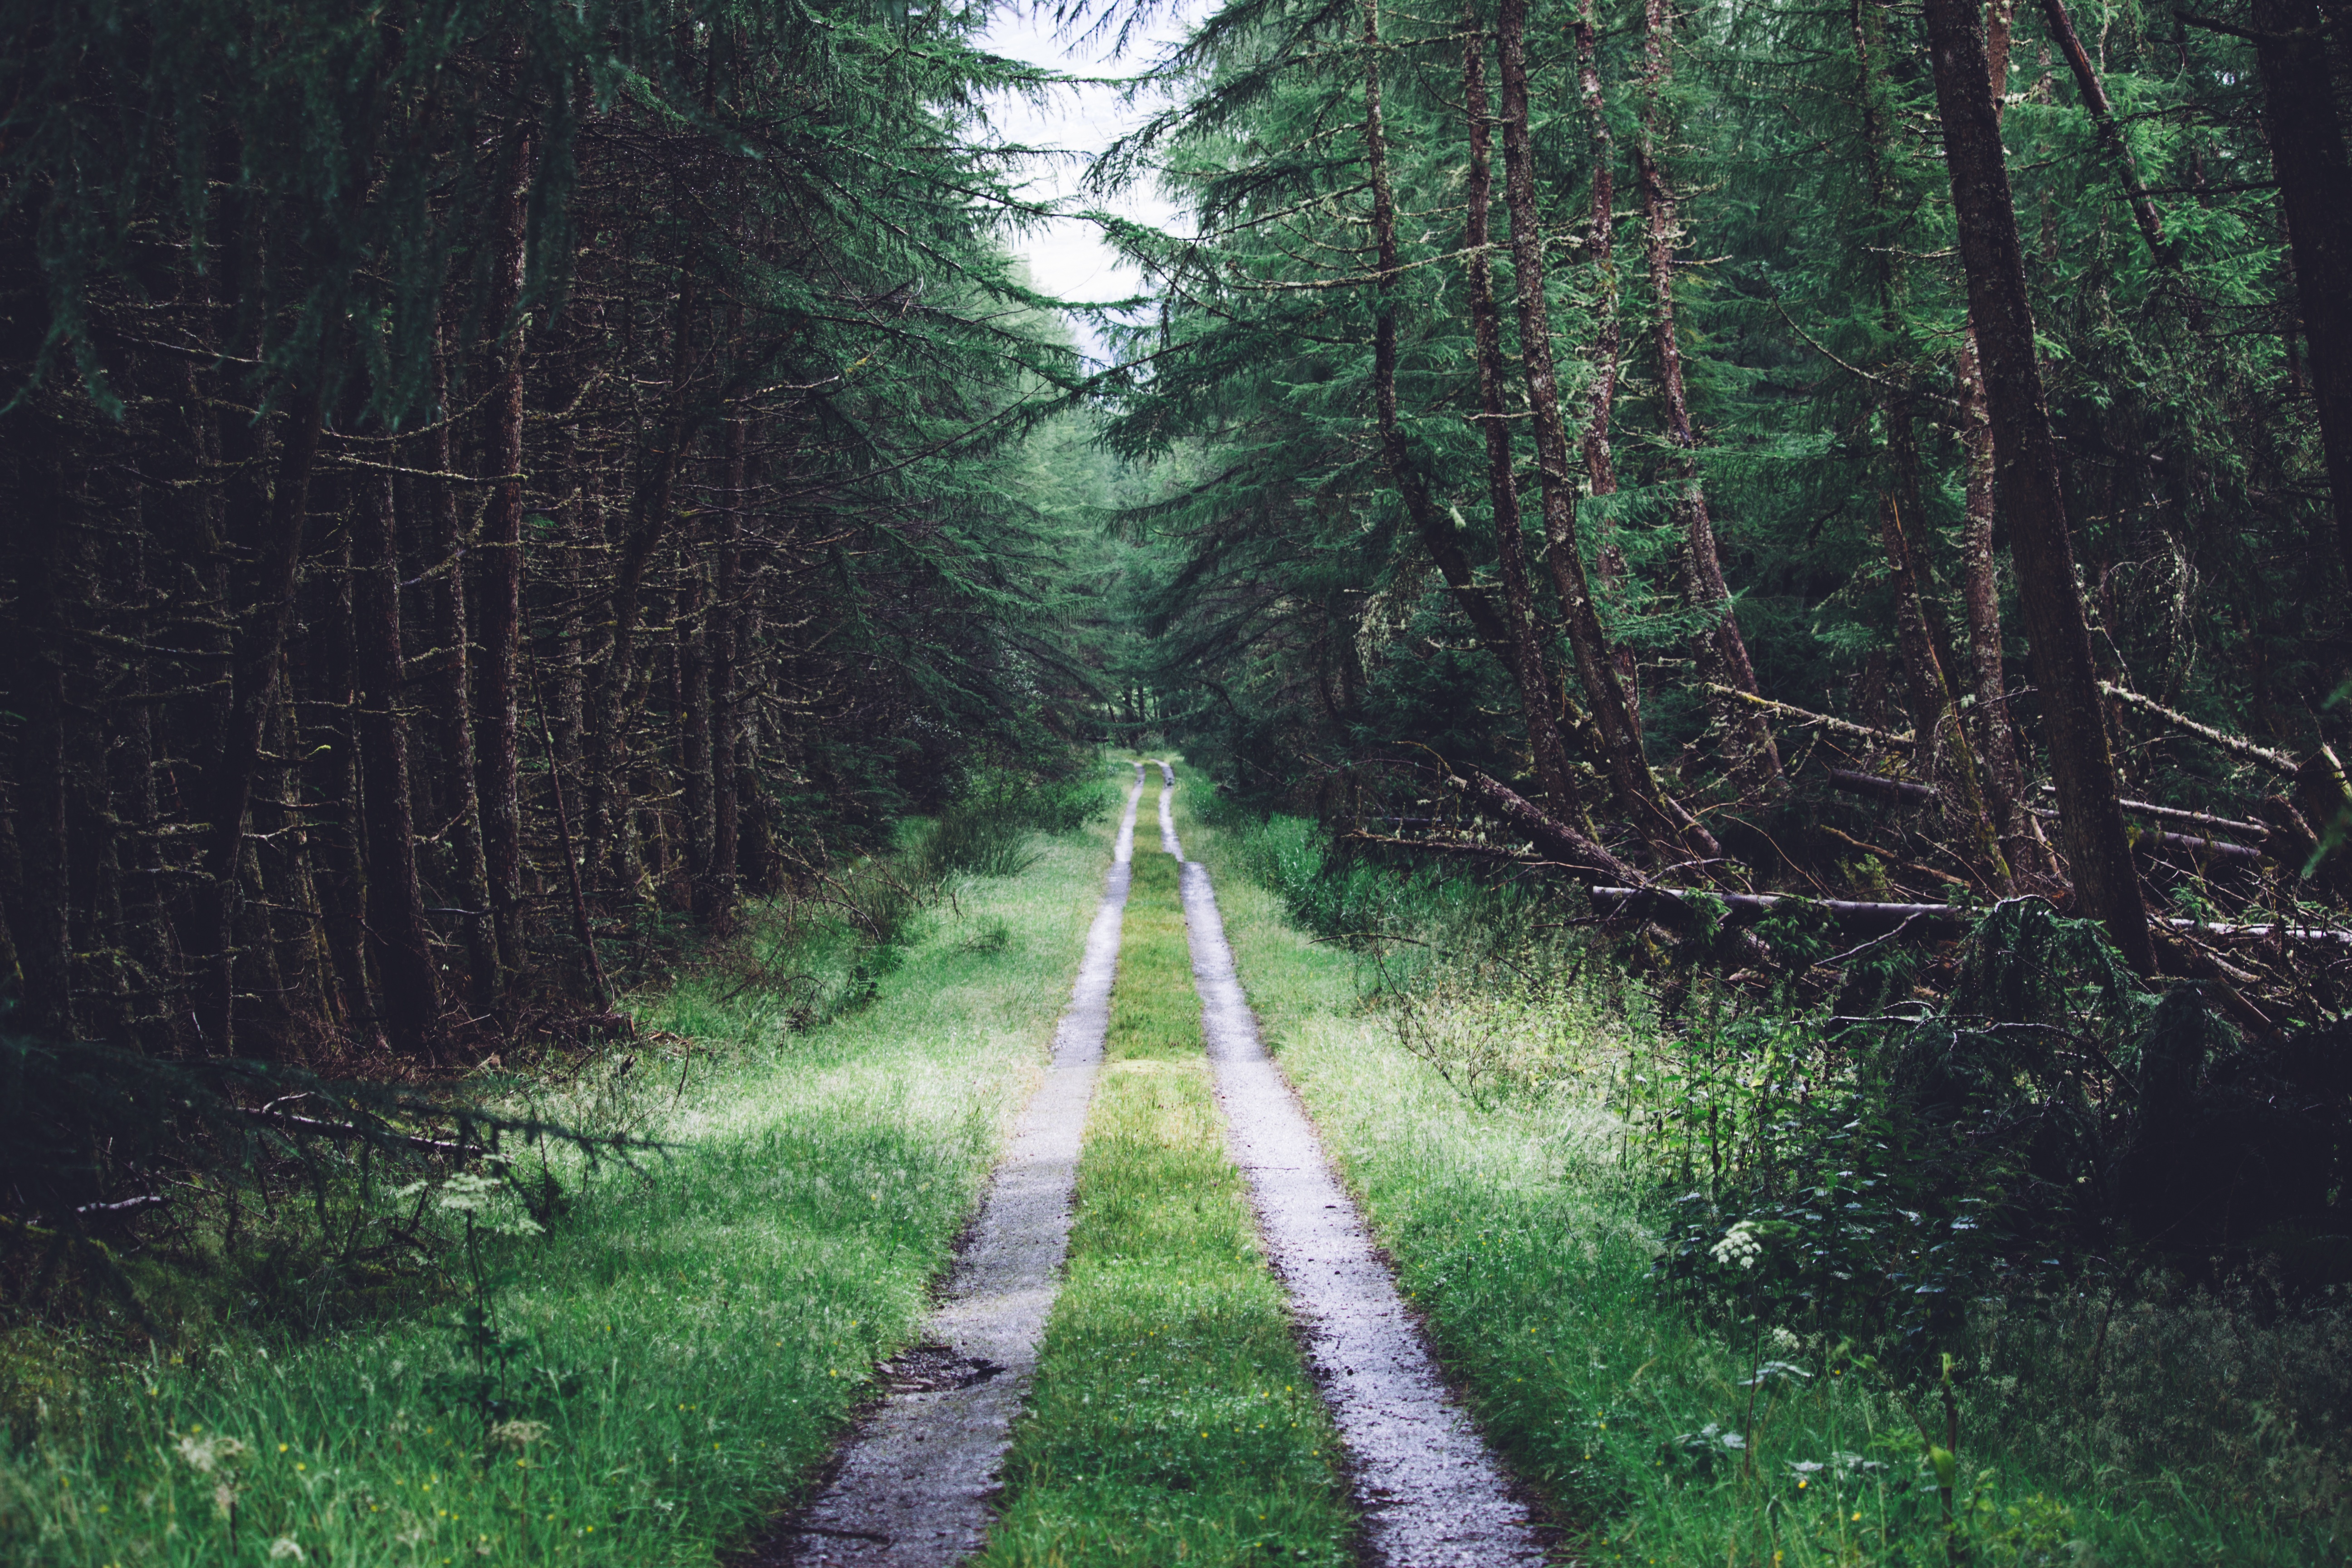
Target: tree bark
x=2082 y=761
x=2111 y=135
x=716 y=898
x=1942 y=744
x=44 y=933
x=695 y=726
x=498 y=711
x=2307 y=153
x=253 y=665
x=1652 y=814
x=328 y=747
x=395 y=903
x=1722 y=651
x=1608 y=344
x=649 y=519
x=2003 y=774
x=1530 y=667
x=1503 y=633
x=450 y=709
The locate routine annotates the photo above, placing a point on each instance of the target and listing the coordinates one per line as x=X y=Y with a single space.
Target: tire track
x=1432 y=1493
x=913 y=1483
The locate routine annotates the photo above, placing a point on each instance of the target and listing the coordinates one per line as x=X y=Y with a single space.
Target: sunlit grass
x=686 y=1341
x=1525 y=1244
x=1172 y=1420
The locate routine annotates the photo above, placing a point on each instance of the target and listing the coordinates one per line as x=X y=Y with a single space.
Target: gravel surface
x=1432 y=1493
x=914 y=1484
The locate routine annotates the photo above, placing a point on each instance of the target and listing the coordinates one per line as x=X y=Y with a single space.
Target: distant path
x=1167 y=820
x=1433 y=1495
x=914 y=1486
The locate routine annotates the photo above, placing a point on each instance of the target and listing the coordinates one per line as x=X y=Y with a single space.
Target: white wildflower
x=205 y=1454
x=225 y=1500
x=1741 y=1245
x=518 y=1433
x=285 y=1550
x=1786 y=1342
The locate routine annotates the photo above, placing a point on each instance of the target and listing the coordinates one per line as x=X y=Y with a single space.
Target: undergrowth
x=1694 y=1391
x=574 y=1365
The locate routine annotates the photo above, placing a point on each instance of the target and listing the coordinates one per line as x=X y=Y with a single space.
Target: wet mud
x=915 y=1481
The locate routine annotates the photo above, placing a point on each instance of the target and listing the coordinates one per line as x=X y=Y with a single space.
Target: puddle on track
x=915 y=1481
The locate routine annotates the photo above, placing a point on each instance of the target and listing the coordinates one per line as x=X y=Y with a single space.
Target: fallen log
x=2204 y=819
x=1753 y=904
x=1555 y=838
x=341 y=1129
x=1902 y=791
x=1443 y=845
x=1807 y=716
x=2236 y=745
x=2214 y=849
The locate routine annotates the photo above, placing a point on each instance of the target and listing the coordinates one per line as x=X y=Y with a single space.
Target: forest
x=1748 y=603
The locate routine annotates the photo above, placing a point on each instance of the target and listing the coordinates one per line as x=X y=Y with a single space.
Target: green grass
x=1520 y=1235
x=1172 y=1420
x=684 y=1342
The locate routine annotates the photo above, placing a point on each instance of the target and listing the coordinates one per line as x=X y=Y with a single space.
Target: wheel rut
x=1432 y=1493
x=913 y=1485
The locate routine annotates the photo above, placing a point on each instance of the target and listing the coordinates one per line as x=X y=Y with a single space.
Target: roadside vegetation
x=1173 y=1419
x=537 y=1359
x=1535 y=1144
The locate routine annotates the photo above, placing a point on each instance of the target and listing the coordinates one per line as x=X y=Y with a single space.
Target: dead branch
x=2236 y=745
x=339 y=1130
x=1553 y=836
x=1864 y=913
x=1807 y=716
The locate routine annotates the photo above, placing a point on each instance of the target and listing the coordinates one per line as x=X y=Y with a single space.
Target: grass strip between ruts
x=1173 y=1419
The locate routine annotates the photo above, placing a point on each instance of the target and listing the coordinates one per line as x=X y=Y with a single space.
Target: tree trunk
x=694 y=720
x=1943 y=752
x=2003 y=774
x=1650 y=813
x=649 y=519
x=715 y=899
x=1722 y=651
x=2111 y=135
x=44 y=932
x=395 y=904
x=2082 y=761
x=254 y=667
x=449 y=703
x=328 y=746
x=1505 y=634
x=1608 y=344
x=1530 y=667
x=498 y=714
x=2307 y=153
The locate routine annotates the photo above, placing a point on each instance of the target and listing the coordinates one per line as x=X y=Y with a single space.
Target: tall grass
x=653 y=1359
x=2139 y=1428
x=821 y=950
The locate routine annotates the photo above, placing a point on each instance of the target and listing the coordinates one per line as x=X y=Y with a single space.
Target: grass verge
x=1522 y=1236
x=644 y=1381
x=1172 y=1420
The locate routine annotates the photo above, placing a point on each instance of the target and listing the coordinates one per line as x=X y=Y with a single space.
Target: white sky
x=1067 y=257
